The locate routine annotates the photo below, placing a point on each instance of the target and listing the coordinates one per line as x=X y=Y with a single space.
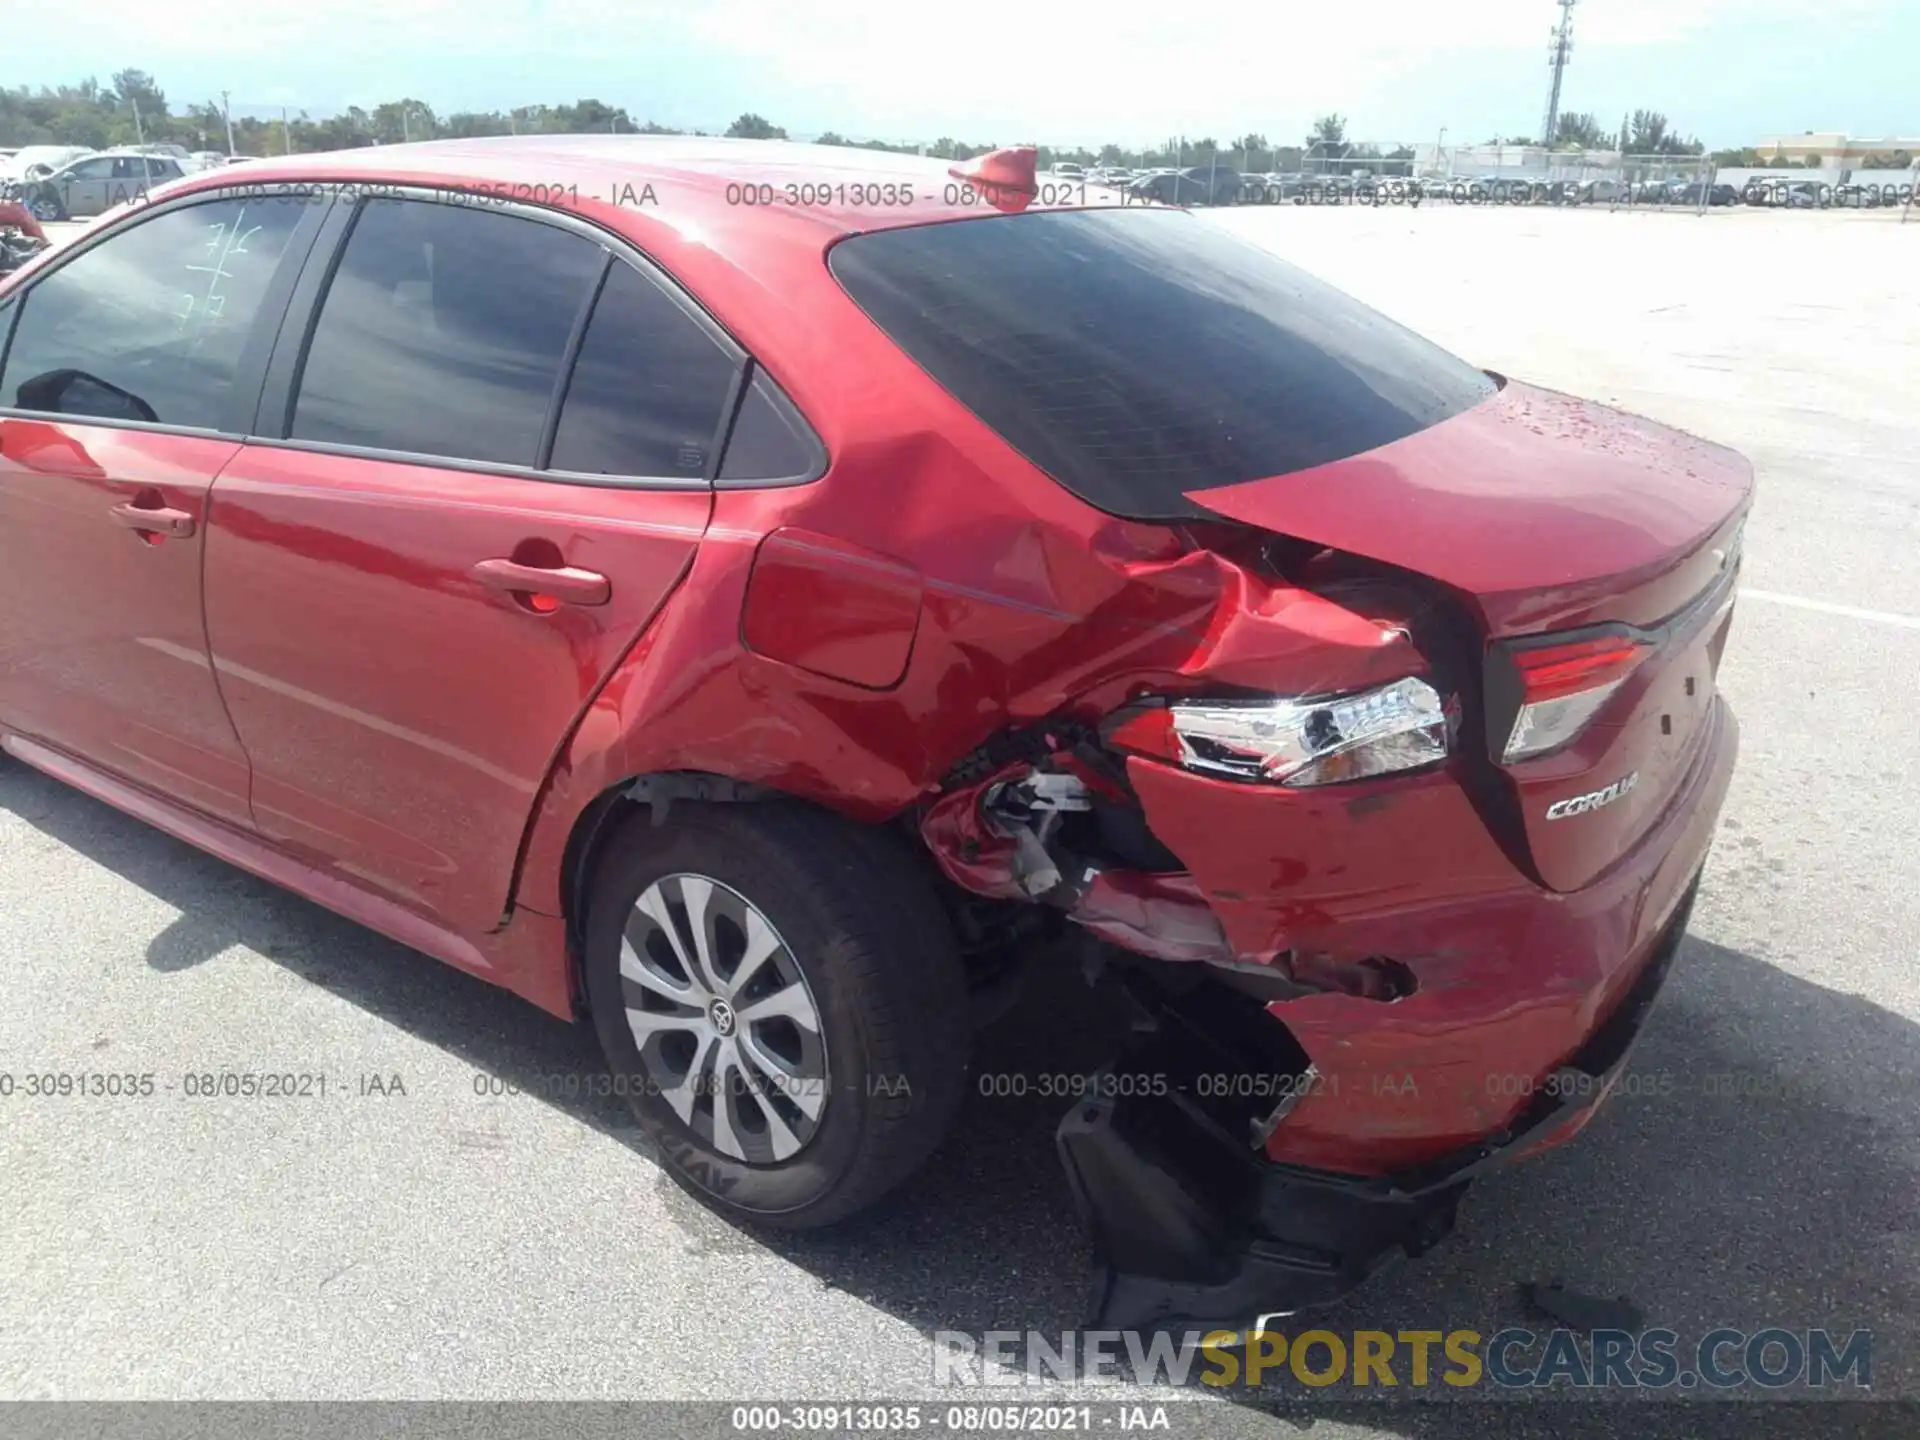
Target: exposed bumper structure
x=1505 y=979
x=1234 y=1167
x=1195 y=1230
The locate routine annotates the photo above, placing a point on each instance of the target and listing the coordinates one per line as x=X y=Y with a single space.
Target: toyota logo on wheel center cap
x=721 y=1015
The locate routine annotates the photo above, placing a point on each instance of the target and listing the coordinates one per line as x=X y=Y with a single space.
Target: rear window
x=1136 y=355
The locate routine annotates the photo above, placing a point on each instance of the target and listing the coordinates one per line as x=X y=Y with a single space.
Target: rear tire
x=856 y=946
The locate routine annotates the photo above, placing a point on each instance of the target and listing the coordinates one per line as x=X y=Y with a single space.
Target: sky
x=1064 y=72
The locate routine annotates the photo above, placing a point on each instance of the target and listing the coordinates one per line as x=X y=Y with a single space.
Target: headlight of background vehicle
x=1293 y=740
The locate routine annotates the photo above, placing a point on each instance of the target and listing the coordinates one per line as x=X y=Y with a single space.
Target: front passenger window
x=150 y=323
x=443 y=332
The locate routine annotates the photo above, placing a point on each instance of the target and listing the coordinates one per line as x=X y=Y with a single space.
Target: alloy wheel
x=727 y=1027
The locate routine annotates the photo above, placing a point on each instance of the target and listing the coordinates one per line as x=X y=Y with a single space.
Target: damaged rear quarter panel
x=1031 y=604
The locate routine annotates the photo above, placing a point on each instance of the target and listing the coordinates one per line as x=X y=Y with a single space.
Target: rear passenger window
x=648 y=389
x=770 y=443
x=150 y=323
x=443 y=331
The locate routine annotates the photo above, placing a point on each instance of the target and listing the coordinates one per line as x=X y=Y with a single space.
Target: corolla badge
x=1593 y=799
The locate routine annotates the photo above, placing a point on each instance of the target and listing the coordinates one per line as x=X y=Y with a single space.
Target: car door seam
x=206 y=632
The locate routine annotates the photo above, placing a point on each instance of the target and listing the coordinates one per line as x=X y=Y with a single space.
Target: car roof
x=125 y=152
x=696 y=181
x=698 y=207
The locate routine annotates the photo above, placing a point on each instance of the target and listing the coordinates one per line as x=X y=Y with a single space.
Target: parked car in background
x=1259 y=188
x=532 y=584
x=1067 y=170
x=1716 y=194
x=1195 y=185
x=1318 y=188
x=31 y=161
x=1485 y=189
x=93 y=184
x=1271 y=188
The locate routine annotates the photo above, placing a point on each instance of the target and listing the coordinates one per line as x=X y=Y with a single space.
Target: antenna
x=1560 y=47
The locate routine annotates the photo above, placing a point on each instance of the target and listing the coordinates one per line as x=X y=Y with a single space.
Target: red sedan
x=739 y=592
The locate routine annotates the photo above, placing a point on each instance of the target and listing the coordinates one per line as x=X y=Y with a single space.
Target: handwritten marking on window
x=225 y=240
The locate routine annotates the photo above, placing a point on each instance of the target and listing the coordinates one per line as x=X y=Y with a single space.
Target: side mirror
x=75 y=392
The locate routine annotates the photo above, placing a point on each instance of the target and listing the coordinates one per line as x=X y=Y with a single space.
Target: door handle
x=158 y=520
x=562 y=583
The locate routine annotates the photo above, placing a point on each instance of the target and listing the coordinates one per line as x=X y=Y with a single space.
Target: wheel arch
x=646 y=799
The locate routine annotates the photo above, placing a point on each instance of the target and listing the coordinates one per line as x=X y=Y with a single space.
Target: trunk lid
x=1551 y=516
x=1545 y=511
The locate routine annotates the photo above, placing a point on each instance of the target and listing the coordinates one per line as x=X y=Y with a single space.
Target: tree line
x=132 y=108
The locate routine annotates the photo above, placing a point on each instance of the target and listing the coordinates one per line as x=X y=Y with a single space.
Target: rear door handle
x=158 y=520
x=563 y=583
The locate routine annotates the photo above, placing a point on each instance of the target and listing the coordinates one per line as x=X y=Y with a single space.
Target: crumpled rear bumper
x=1195 y=1229
x=1503 y=979
x=1234 y=1167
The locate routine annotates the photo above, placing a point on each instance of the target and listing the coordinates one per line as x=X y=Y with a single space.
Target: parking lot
x=412 y=1233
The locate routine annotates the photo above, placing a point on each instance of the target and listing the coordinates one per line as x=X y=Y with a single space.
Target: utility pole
x=1560 y=47
x=227 y=116
x=286 y=133
x=140 y=135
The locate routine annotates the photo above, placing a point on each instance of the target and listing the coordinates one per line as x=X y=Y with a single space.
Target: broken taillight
x=1286 y=740
x=1562 y=686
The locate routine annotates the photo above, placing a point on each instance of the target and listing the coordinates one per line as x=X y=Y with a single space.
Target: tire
x=46 y=207
x=861 y=930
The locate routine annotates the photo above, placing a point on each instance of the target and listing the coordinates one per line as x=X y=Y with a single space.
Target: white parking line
x=1827 y=607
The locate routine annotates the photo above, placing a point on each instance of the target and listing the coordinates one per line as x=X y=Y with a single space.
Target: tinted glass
x=442 y=332
x=648 y=389
x=150 y=324
x=770 y=441
x=1136 y=355
x=151 y=167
